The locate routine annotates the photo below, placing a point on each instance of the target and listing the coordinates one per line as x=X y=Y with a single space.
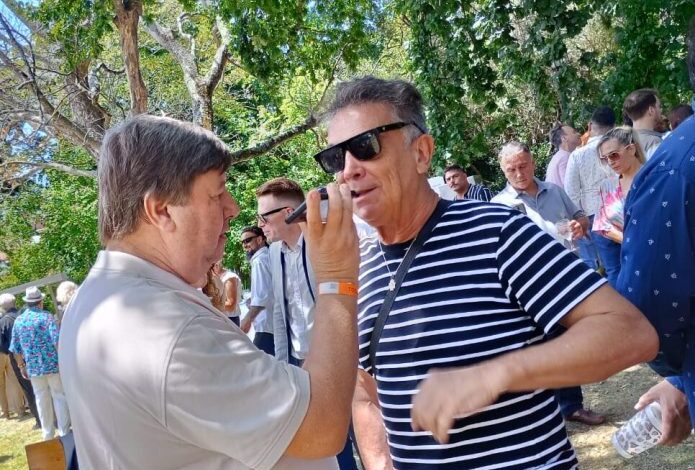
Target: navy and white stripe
x=478 y=192
x=487 y=282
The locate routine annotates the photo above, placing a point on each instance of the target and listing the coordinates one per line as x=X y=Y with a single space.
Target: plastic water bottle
x=642 y=432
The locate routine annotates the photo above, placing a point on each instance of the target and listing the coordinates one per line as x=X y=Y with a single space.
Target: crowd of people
x=421 y=332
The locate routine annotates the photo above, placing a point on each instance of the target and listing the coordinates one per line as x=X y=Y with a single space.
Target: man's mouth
x=360 y=193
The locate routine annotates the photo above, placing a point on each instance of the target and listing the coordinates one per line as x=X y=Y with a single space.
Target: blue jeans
x=609 y=252
x=587 y=250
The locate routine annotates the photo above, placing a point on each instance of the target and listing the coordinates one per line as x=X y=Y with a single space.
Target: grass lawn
x=14 y=435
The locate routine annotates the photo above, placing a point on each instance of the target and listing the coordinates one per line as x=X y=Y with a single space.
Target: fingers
x=644 y=400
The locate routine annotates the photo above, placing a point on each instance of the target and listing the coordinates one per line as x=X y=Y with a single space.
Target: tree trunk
x=127 y=22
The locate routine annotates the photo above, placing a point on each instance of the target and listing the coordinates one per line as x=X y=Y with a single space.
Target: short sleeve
x=15 y=345
x=545 y=279
x=225 y=395
x=53 y=330
x=261 y=286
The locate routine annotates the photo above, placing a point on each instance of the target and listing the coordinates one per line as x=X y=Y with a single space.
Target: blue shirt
x=35 y=336
x=487 y=281
x=658 y=253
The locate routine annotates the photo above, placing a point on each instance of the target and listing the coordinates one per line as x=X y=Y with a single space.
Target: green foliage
x=52 y=229
x=492 y=70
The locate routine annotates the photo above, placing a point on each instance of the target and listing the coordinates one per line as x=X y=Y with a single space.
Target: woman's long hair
x=626 y=135
x=213 y=292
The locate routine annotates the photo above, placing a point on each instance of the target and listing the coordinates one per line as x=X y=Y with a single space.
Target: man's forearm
x=331 y=363
x=371 y=436
x=591 y=350
x=253 y=312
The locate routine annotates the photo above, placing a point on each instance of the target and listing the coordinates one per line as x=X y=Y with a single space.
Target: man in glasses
x=262 y=303
x=462 y=367
x=293 y=280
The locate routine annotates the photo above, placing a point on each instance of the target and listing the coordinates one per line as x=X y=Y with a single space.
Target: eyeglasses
x=364 y=146
x=246 y=241
x=613 y=156
x=263 y=217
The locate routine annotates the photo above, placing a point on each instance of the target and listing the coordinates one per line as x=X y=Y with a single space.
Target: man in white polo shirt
x=157 y=377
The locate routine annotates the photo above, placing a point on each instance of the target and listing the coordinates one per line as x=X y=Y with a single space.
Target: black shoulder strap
x=400 y=275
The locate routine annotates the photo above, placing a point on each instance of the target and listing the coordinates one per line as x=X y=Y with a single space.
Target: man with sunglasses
x=293 y=281
x=484 y=287
x=262 y=303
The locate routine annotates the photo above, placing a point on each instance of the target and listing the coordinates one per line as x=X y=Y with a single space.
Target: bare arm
x=230 y=294
x=332 y=358
x=606 y=334
x=250 y=317
x=369 y=425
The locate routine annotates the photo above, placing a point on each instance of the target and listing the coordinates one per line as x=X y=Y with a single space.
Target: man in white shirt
x=582 y=182
x=294 y=281
x=262 y=301
x=156 y=376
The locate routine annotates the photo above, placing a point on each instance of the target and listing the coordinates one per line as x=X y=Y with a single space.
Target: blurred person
x=11 y=398
x=35 y=346
x=158 y=377
x=457 y=179
x=232 y=291
x=9 y=312
x=679 y=114
x=64 y=293
x=213 y=289
x=564 y=139
x=658 y=273
x=643 y=107
x=262 y=302
x=582 y=183
x=619 y=150
x=479 y=290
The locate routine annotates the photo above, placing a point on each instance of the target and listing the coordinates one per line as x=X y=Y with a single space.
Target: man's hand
x=577 y=229
x=447 y=394
x=246 y=324
x=332 y=246
x=675 y=419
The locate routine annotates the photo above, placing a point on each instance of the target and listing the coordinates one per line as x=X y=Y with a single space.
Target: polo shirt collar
x=542 y=186
x=134 y=266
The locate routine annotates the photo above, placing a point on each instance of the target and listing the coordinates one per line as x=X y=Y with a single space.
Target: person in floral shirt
x=35 y=346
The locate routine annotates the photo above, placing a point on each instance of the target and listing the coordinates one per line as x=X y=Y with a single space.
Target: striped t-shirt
x=479 y=192
x=486 y=282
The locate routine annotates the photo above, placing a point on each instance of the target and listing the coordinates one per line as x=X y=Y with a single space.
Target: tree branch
x=212 y=78
x=251 y=152
x=52 y=165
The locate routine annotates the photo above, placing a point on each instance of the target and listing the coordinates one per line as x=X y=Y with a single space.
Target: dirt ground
x=615 y=398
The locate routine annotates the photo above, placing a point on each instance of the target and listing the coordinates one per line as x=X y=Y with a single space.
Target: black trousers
x=26 y=388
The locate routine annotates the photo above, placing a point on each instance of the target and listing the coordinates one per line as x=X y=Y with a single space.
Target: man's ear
x=424 y=146
x=158 y=213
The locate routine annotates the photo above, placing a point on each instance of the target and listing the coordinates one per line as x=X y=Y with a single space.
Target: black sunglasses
x=246 y=241
x=364 y=146
x=263 y=217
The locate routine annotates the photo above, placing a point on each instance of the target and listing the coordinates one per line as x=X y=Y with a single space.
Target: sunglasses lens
x=364 y=146
x=332 y=160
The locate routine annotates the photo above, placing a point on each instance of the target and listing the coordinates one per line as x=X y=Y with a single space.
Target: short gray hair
x=401 y=95
x=65 y=291
x=7 y=302
x=151 y=155
x=512 y=148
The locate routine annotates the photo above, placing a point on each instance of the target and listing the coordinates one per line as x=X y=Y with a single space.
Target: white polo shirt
x=156 y=378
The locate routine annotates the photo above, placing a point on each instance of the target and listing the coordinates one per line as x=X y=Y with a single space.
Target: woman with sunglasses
x=619 y=150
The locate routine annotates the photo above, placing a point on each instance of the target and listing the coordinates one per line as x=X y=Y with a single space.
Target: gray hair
x=625 y=135
x=512 y=148
x=401 y=95
x=151 y=155
x=65 y=291
x=7 y=302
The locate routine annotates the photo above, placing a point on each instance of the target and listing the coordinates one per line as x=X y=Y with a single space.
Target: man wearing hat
x=8 y=315
x=35 y=346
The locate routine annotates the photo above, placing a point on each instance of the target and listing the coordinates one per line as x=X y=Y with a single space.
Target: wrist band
x=340 y=288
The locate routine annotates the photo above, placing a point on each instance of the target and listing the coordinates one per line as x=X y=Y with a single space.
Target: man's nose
x=353 y=167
